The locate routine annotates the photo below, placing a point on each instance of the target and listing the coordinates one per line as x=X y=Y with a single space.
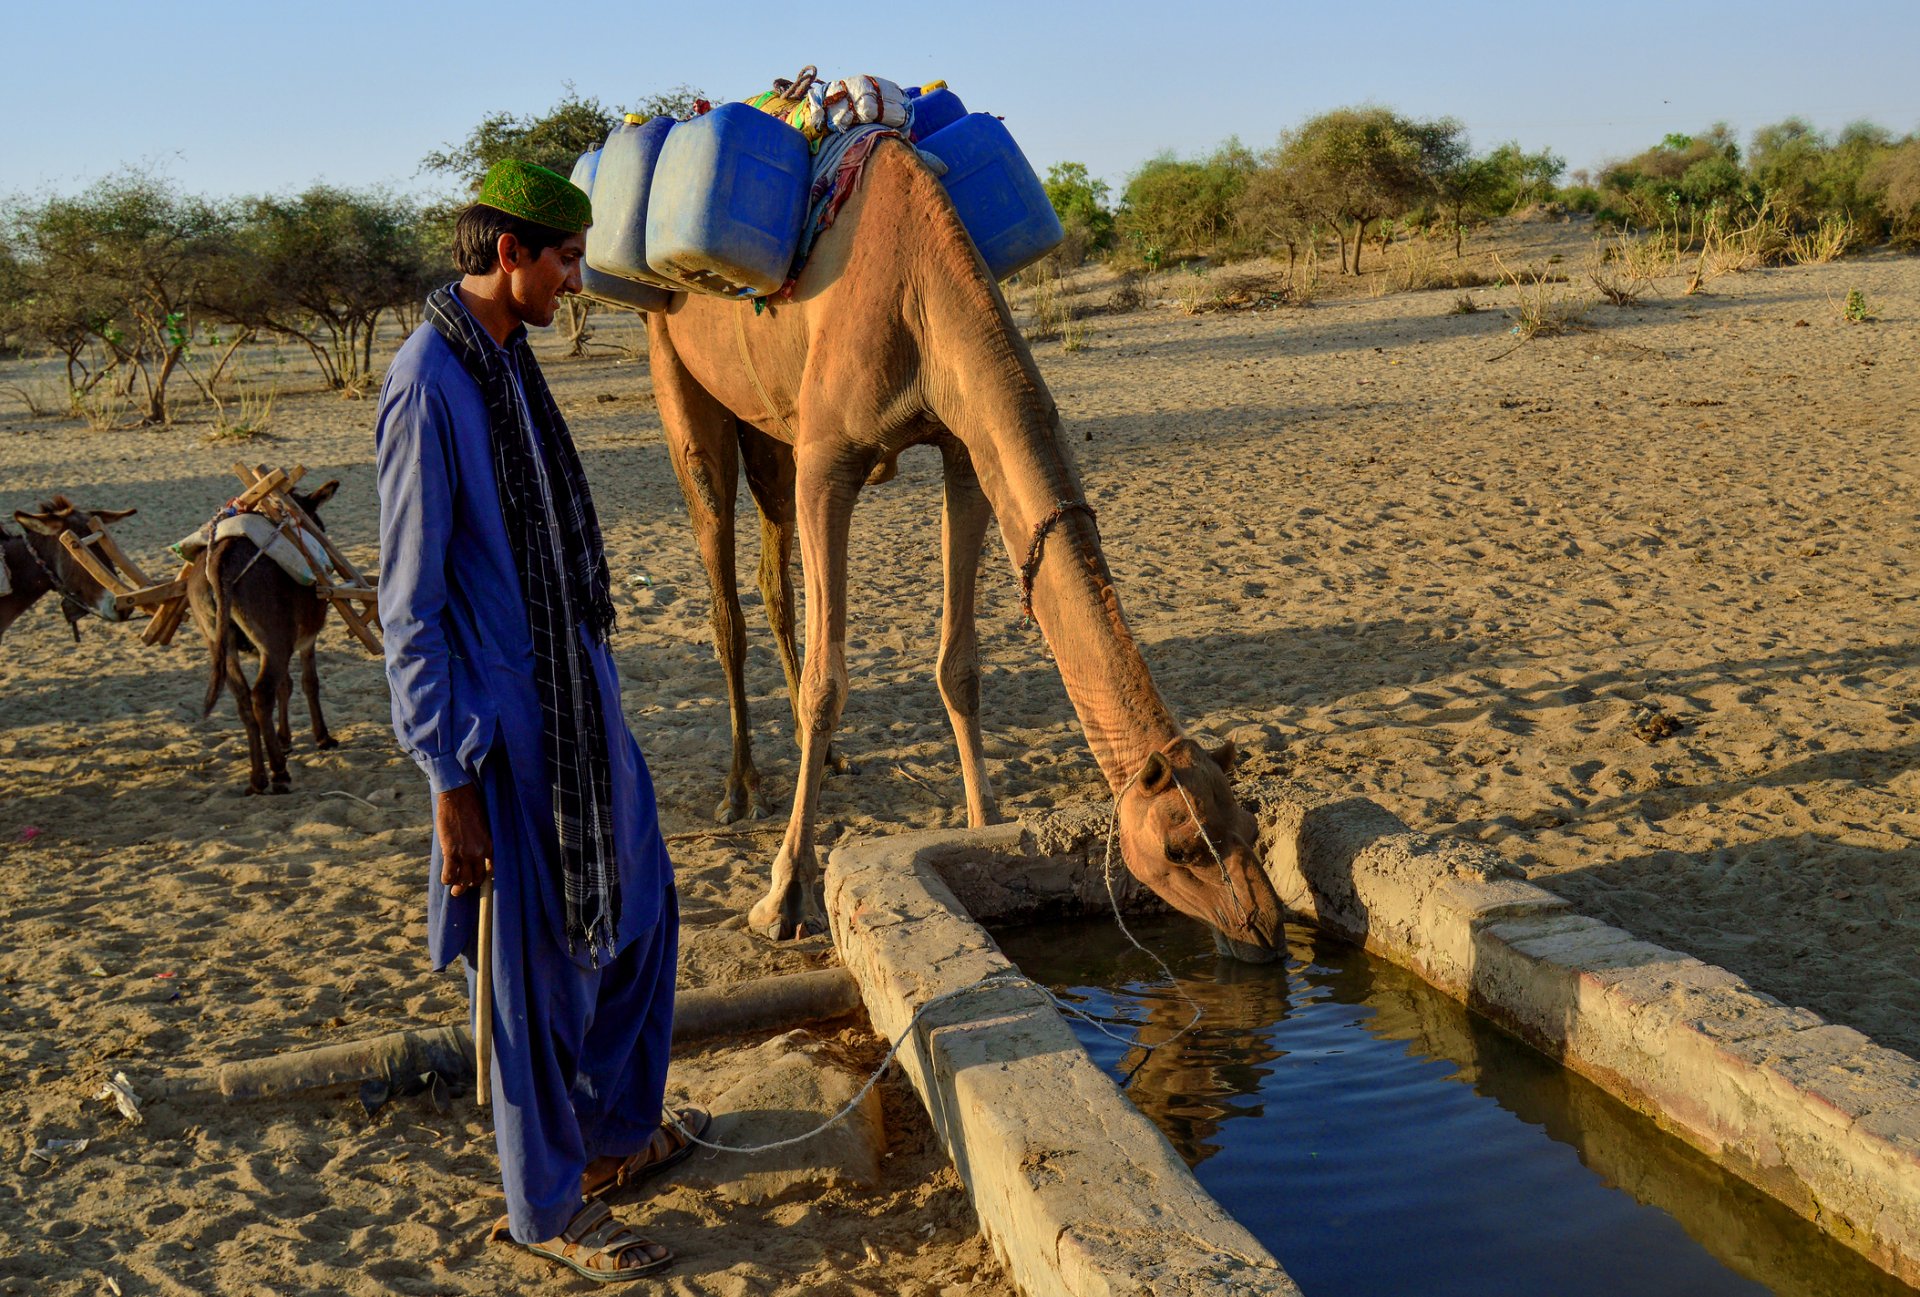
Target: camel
x=243 y=603
x=38 y=564
x=896 y=335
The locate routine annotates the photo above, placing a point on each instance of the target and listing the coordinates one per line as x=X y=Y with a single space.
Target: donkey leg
x=283 y=705
x=243 y=703
x=268 y=688
x=310 y=685
x=702 y=443
x=963 y=532
x=829 y=477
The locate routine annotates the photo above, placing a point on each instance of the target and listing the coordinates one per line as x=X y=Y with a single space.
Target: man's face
x=535 y=283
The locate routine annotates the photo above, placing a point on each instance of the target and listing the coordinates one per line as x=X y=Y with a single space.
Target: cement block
x=1078 y=1192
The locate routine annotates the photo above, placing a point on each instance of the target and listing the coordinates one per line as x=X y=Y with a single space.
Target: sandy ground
x=1393 y=550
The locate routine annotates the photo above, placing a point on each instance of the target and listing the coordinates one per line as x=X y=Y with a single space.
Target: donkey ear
x=113 y=515
x=1156 y=774
x=322 y=493
x=39 y=522
x=1224 y=755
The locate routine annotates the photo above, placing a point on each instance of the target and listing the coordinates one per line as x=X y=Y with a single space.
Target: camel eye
x=1183 y=853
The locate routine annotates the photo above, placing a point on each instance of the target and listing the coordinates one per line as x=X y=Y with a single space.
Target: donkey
x=38 y=564
x=244 y=603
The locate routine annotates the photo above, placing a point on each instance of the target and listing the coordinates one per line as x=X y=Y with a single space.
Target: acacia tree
x=123 y=265
x=1354 y=166
x=321 y=267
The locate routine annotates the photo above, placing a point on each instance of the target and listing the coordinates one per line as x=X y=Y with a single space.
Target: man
x=496 y=606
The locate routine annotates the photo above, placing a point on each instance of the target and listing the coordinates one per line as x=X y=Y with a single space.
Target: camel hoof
x=256 y=790
x=327 y=744
x=794 y=918
x=281 y=787
x=730 y=809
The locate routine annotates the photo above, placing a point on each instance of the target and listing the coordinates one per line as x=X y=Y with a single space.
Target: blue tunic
x=580 y=1051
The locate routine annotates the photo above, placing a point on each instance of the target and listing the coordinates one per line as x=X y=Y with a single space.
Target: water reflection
x=1337 y=1101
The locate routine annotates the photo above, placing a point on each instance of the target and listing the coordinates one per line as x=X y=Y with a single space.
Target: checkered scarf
x=555 y=536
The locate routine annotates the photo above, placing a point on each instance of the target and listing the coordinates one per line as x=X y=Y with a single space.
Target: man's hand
x=466 y=845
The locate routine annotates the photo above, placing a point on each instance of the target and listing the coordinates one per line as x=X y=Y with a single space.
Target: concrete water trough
x=1080 y=1194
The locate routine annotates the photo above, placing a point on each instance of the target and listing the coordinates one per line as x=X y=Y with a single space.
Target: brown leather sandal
x=595 y=1245
x=675 y=1126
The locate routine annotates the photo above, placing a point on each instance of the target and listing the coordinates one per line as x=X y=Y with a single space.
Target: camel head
x=1177 y=805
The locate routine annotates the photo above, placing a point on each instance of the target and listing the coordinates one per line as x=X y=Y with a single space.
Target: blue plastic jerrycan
x=729 y=194
x=997 y=194
x=622 y=182
x=598 y=285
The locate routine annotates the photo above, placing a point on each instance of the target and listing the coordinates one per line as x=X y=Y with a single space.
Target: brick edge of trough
x=1081 y=1195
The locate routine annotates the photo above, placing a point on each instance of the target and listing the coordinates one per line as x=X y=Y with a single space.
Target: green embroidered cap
x=536 y=194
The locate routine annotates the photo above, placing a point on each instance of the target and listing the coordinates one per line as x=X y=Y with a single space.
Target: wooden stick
x=149 y=596
x=112 y=549
x=165 y=622
x=483 y=996
x=95 y=568
x=357 y=624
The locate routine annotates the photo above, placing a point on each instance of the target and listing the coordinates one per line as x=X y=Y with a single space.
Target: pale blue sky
x=228 y=97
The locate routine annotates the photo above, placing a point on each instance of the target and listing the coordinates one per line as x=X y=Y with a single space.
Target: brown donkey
x=243 y=602
x=37 y=564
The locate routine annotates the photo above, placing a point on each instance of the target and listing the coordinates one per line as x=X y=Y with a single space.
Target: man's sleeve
x=413 y=457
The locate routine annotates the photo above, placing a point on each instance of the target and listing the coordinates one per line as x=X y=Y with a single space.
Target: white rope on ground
x=996 y=981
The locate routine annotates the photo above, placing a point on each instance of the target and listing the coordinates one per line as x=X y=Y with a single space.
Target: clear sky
x=228 y=98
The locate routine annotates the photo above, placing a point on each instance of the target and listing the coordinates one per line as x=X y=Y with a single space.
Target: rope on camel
x=1031 y=567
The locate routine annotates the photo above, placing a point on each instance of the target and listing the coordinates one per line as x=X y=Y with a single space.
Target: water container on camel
x=611 y=289
x=617 y=239
x=998 y=196
x=933 y=112
x=729 y=195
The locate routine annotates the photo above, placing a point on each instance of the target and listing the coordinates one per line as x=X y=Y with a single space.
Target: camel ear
x=1156 y=774
x=322 y=493
x=39 y=522
x=113 y=515
x=1224 y=755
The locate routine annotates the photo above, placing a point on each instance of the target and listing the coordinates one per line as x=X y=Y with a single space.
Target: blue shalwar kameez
x=580 y=1050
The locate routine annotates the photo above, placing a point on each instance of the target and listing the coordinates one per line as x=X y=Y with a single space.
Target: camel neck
x=981 y=382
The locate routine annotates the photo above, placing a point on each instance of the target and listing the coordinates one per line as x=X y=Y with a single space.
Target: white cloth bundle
x=865 y=101
x=261 y=531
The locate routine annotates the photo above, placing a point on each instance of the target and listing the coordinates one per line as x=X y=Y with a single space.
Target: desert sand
x=1391 y=550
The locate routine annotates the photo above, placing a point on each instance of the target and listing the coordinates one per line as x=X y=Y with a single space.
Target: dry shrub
x=1129 y=294
x=1832 y=239
x=250 y=415
x=43 y=397
x=1073 y=335
x=1194 y=292
x=104 y=408
x=1542 y=306
x=1621 y=270
x=1464 y=305
x=1045 y=309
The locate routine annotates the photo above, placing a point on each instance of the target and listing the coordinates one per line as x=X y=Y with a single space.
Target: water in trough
x=1382 y=1140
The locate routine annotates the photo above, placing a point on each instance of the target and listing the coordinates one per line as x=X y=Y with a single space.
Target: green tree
x=322 y=267
x=1354 y=166
x=120 y=271
x=1894 y=180
x=1171 y=207
x=1080 y=201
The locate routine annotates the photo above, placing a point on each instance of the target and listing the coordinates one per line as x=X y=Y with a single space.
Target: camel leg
x=769 y=467
x=828 y=479
x=963 y=532
x=310 y=685
x=706 y=459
